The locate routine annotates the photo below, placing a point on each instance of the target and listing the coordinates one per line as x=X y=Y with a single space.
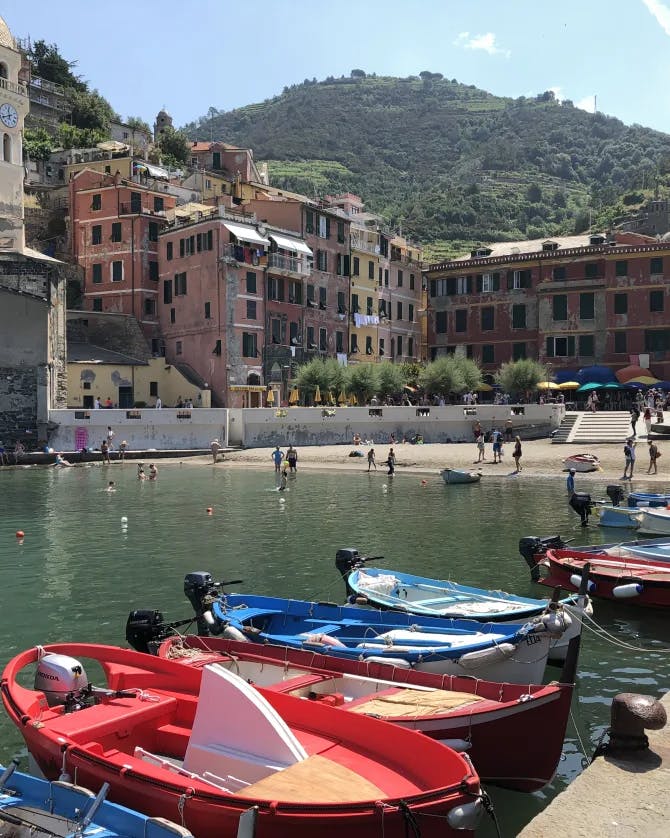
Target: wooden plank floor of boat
x=410 y=702
x=314 y=780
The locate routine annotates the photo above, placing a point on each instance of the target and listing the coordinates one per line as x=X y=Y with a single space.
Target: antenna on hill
x=595 y=103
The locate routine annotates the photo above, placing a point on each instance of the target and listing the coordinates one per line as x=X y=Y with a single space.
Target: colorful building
x=568 y=301
x=114 y=229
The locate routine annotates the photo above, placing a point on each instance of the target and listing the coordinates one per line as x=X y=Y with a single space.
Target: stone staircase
x=601 y=426
x=565 y=428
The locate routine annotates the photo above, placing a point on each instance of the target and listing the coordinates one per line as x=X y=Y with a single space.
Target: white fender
x=626 y=591
x=405 y=664
x=232 y=633
x=556 y=622
x=485 y=657
x=576 y=580
x=467 y=816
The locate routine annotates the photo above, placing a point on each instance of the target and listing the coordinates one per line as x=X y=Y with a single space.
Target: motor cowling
x=58 y=676
x=531 y=546
x=615 y=493
x=199 y=589
x=144 y=628
x=582 y=505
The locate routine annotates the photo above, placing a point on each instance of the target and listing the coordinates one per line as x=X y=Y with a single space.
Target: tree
x=49 y=64
x=69 y=136
x=522 y=376
x=91 y=110
x=358 y=74
x=37 y=144
x=391 y=379
x=442 y=377
x=363 y=380
x=469 y=370
x=333 y=376
x=138 y=124
x=310 y=376
x=174 y=146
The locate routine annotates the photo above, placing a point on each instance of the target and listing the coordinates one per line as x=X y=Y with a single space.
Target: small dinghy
x=484 y=718
x=397 y=591
x=33 y=806
x=581 y=462
x=495 y=651
x=654 y=521
x=648 y=499
x=204 y=746
x=457 y=475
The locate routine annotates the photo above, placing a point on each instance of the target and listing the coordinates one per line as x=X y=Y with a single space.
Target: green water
x=80 y=570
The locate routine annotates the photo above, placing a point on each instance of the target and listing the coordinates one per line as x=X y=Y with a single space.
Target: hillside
x=450 y=163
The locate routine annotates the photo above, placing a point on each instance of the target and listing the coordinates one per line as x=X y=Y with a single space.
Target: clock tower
x=14 y=106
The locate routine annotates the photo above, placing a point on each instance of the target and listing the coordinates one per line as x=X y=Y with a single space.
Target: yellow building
x=369 y=260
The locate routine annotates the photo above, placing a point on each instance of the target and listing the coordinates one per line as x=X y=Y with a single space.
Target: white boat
x=618 y=516
x=654 y=521
x=457 y=475
x=582 y=462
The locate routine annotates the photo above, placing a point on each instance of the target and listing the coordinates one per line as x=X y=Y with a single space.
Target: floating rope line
x=601 y=632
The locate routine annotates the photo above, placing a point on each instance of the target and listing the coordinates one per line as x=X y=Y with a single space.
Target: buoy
x=20 y=534
x=209 y=510
x=124 y=520
x=282 y=500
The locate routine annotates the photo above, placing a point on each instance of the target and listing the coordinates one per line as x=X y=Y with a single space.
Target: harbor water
x=89 y=556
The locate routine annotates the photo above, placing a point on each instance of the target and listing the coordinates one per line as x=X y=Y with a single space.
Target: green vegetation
x=174 y=147
x=453 y=374
x=452 y=164
x=521 y=377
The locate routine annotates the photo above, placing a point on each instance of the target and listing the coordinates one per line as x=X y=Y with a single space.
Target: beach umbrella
x=342 y=399
x=647 y=380
x=547 y=385
x=484 y=388
x=568 y=385
x=663 y=385
x=631 y=372
x=354 y=400
x=560 y=376
x=612 y=385
x=270 y=397
x=331 y=398
x=595 y=374
x=632 y=385
x=293 y=396
x=591 y=385
x=317 y=395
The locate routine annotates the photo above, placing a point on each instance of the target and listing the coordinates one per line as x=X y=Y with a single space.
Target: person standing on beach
x=497 y=446
x=629 y=454
x=104 y=450
x=391 y=462
x=517 y=453
x=653 y=456
x=371 y=459
x=647 y=420
x=634 y=416
x=215 y=447
x=481 y=453
x=570 y=483
x=277 y=459
x=292 y=458
x=110 y=438
x=123 y=447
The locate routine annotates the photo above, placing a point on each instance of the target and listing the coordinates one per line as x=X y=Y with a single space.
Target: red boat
x=486 y=718
x=200 y=746
x=621 y=578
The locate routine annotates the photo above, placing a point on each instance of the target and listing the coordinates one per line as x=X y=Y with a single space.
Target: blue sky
x=226 y=53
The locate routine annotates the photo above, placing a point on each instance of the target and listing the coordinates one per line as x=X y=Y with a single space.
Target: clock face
x=8 y=115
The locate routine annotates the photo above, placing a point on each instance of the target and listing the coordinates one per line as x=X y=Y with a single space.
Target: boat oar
x=7 y=773
x=93 y=808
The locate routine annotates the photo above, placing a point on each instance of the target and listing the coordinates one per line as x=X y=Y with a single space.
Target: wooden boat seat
x=314 y=780
x=394 y=703
x=115 y=717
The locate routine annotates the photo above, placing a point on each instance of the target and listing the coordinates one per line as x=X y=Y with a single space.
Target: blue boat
x=397 y=591
x=493 y=651
x=37 y=806
x=648 y=499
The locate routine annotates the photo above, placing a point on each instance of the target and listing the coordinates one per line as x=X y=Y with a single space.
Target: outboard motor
x=531 y=546
x=200 y=590
x=58 y=676
x=145 y=629
x=582 y=504
x=346 y=560
x=615 y=493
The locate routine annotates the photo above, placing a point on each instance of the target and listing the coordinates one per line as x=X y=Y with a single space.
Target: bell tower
x=14 y=104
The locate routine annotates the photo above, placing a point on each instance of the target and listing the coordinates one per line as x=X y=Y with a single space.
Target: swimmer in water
x=111 y=487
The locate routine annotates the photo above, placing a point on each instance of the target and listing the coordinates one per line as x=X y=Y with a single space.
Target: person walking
x=654 y=454
x=110 y=438
x=215 y=447
x=516 y=454
x=371 y=459
x=292 y=458
x=634 y=416
x=647 y=420
x=629 y=454
x=570 y=483
x=391 y=462
x=277 y=458
x=481 y=452
x=159 y=403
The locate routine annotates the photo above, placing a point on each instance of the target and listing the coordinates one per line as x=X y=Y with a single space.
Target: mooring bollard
x=631 y=714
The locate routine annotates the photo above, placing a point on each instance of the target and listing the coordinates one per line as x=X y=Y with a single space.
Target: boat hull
x=648 y=499
x=451 y=475
x=493 y=726
x=618 y=516
x=582 y=462
x=654 y=521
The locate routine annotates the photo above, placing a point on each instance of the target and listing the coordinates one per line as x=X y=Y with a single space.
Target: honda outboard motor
x=615 y=493
x=145 y=629
x=582 y=505
x=531 y=546
x=58 y=676
x=200 y=590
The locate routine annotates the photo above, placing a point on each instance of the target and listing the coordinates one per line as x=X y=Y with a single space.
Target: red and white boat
x=634 y=580
x=201 y=746
x=486 y=718
x=581 y=462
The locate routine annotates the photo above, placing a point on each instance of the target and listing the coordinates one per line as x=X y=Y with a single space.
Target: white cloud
x=557 y=90
x=660 y=12
x=588 y=103
x=486 y=42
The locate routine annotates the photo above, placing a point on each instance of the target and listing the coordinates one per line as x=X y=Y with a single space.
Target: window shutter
x=327 y=227
x=468 y=284
x=479 y=283
x=338 y=264
x=433 y=287
x=280 y=283
x=451 y=285
x=550 y=347
x=510 y=280
x=347 y=265
x=526 y=279
x=496 y=282
x=571 y=345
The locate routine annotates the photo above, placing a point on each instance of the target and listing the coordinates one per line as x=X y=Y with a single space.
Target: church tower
x=14 y=106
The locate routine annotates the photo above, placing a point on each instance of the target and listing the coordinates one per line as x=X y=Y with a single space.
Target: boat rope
x=586 y=759
x=601 y=632
x=411 y=825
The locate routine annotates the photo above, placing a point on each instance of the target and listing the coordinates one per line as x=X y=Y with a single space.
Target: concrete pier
x=622 y=797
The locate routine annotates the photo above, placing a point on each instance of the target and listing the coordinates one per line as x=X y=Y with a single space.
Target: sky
x=188 y=57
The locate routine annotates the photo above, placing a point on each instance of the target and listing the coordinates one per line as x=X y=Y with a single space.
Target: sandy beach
x=541 y=458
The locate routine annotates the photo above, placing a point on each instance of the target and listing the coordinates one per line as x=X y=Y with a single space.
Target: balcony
x=13 y=87
x=134 y=208
x=238 y=253
x=361 y=243
x=289 y=264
